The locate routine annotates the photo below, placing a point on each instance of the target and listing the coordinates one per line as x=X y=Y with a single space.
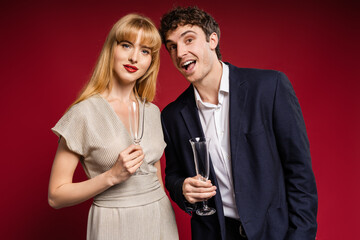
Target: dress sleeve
x=73 y=128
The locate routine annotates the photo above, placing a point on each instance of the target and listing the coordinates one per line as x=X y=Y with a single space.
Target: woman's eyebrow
x=145 y=46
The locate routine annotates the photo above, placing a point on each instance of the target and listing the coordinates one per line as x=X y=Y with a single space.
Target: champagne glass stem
x=205 y=206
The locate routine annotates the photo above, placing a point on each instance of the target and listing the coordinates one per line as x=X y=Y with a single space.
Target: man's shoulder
x=254 y=76
x=252 y=72
x=178 y=103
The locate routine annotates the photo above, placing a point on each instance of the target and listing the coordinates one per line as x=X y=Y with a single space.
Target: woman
x=124 y=179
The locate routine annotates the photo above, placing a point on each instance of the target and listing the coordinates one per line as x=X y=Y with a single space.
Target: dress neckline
x=111 y=109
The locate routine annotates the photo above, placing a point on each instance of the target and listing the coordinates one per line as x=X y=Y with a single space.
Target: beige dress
x=137 y=208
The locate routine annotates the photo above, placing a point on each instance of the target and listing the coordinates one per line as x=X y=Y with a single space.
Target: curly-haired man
x=262 y=184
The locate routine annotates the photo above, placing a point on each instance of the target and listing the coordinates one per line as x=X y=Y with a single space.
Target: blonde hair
x=127 y=28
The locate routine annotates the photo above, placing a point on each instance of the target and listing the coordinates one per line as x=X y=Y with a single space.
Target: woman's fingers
x=130 y=149
x=131 y=153
x=133 y=160
x=132 y=163
x=135 y=154
x=136 y=166
x=128 y=161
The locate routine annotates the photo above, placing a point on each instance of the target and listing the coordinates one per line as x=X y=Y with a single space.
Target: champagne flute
x=200 y=147
x=136 y=119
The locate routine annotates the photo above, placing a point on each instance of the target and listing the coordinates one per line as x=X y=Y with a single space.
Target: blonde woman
x=124 y=179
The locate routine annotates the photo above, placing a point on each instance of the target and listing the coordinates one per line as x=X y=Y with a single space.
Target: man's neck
x=208 y=88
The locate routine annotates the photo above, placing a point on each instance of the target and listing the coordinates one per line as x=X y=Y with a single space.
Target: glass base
x=205 y=211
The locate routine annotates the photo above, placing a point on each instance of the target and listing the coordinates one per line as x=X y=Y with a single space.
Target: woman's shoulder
x=92 y=103
x=153 y=107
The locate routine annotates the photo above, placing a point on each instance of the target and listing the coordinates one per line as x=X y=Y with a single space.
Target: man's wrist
x=189 y=207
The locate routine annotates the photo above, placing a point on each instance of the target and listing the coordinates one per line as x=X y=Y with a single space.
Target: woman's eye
x=189 y=40
x=125 y=45
x=146 y=52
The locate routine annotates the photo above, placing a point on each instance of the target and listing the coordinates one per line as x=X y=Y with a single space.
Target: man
x=262 y=184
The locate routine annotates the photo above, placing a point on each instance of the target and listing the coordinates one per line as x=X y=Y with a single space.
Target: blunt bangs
x=149 y=36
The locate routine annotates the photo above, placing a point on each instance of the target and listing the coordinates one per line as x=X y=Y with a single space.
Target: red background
x=49 y=49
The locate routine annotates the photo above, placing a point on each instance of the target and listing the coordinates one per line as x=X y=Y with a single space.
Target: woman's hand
x=63 y=192
x=128 y=161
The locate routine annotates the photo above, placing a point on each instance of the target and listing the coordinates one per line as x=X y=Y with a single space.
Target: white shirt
x=215 y=124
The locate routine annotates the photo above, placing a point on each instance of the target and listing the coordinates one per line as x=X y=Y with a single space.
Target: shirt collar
x=224 y=84
x=224 y=89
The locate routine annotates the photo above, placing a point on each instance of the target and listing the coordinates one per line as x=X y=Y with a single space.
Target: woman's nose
x=133 y=56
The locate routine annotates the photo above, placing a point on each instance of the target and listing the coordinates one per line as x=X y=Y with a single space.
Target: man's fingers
x=202 y=196
x=195 y=181
x=190 y=184
x=195 y=190
x=191 y=189
x=199 y=183
x=198 y=197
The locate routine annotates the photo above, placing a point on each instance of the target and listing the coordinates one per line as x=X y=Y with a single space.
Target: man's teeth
x=186 y=64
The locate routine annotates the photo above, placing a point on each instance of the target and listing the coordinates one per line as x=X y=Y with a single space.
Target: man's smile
x=188 y=65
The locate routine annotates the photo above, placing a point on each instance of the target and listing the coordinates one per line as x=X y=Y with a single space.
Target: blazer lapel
x=190 y=114
x=237 y=111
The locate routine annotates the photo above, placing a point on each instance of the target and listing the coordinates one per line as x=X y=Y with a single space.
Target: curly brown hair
x=180 y=16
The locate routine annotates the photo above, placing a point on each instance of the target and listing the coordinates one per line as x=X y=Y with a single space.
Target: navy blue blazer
x=274 y=185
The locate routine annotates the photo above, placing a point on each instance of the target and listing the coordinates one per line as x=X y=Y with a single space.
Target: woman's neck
x=119 y=92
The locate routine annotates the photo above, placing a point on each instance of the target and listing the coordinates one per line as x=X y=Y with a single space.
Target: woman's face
x=131 y=60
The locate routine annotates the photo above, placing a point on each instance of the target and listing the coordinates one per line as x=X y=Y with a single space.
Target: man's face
x=191 y=54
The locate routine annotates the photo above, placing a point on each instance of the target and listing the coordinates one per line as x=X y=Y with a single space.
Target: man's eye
x=172 y=47
x=189 y=40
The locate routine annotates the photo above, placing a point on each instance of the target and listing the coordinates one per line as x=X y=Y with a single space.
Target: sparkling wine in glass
x=136 y=119
x=200 y=147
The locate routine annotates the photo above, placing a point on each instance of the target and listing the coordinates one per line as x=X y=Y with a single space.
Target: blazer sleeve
x=174 y=173
x=294 y=150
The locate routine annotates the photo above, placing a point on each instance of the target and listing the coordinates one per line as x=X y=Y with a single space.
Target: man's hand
x=195 y=190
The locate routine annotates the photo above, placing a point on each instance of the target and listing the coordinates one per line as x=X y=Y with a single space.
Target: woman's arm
x=63 y=192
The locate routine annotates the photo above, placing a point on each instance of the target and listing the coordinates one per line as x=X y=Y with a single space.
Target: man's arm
x=184 y=190
x=173 y=177
x=293 y=147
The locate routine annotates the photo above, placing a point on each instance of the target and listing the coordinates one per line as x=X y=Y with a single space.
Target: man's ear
x=213 y=40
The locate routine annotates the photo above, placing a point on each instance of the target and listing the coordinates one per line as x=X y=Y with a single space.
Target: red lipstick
x=130 y=68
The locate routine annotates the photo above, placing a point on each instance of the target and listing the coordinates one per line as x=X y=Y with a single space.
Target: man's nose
x=181 y=51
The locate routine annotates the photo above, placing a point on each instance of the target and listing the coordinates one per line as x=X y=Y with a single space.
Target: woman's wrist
x=110 y=179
